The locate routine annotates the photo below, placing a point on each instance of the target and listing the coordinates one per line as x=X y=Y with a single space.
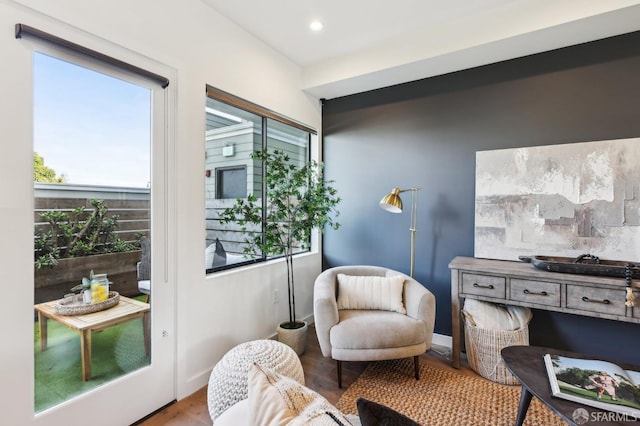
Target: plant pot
x=295 y=338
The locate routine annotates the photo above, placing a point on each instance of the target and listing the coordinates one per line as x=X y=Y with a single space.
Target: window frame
x=265 y=114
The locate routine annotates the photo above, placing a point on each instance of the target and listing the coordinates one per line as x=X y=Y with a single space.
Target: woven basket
x=73 y=305
x=483 y=350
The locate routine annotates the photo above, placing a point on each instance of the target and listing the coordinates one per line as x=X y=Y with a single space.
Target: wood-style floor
x=319 y=373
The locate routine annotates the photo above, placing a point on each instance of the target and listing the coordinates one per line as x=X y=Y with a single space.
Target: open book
x=596 y=383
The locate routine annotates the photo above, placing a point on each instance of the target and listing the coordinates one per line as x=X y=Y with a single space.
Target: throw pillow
x=215 y=255
x=208 y=253
x=371 y=292
x=275 y=399
x=220 y=255
x=374 y=414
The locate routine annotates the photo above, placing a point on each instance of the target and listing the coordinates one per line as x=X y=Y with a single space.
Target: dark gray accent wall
x=426 y=133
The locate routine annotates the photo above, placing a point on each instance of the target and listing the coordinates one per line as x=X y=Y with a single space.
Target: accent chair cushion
x=275 y=399
x=374 y=414
x=368 y=330
x=371 y=292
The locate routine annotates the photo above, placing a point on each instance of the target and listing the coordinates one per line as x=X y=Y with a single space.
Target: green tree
x=42 y=173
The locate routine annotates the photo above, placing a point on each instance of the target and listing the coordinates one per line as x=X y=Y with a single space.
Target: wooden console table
x=521 y=284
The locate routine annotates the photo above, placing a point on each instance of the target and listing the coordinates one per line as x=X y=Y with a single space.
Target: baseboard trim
x=442 y=340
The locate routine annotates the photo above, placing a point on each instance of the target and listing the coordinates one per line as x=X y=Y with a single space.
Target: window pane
x=231 y=182
x=294 y=142
x=232 y=134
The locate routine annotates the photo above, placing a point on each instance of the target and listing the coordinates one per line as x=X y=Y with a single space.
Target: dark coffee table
x=527 y=365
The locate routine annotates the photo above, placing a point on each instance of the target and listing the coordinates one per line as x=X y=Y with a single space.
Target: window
x=231 y=182
x=235 y=129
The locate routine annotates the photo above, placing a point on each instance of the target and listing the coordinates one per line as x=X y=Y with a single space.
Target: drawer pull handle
x=604 y=302
x=536 y=293
x=490 y=286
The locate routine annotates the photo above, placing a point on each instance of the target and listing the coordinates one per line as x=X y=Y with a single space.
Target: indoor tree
x=298 y=201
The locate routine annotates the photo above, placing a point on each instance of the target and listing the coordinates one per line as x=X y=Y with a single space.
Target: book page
x=634 y=376
x=593 y=382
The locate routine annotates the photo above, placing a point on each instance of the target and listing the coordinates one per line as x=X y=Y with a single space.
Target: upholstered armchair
x=371 y=313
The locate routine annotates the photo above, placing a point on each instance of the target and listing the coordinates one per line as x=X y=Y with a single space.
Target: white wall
x=199 y=47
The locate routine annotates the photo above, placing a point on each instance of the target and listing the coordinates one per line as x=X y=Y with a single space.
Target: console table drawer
x=593 y=299
x=484 y=285
x=539 y=292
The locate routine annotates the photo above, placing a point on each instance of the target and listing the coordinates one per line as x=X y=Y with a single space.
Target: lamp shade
x=392 y=202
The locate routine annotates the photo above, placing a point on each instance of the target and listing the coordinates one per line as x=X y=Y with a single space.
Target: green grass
x=58 y=372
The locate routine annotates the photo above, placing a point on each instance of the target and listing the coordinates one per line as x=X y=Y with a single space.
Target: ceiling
x=368 y=44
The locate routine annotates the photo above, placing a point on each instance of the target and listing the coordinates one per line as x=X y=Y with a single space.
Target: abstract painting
x=559 y=200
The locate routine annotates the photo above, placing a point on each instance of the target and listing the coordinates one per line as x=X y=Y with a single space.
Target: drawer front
x=540 y=292
x=484 y=285
x=593 y=299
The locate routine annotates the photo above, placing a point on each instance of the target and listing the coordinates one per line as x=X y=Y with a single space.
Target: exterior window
x=231 y=182
x=234 y=130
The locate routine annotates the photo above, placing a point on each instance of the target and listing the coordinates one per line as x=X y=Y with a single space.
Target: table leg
x=42 y=327
x=455 y=321
x=85 y=354
x=525 y=400
x=146 y=331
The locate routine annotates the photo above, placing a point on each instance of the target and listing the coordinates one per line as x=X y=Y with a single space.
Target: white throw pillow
x=275 y=399
x=371 y=292
x=208 y=256
x=493 y=316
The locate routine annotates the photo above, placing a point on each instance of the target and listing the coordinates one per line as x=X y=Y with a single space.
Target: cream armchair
x=365 y=334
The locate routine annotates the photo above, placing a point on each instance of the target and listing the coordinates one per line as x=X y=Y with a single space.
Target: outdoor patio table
x=126 y=310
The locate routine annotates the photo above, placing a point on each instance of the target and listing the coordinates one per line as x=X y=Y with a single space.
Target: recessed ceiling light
x=316 y=26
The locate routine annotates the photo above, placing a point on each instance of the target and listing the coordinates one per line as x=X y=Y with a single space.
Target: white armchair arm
x=325 y=308
x=420 y=304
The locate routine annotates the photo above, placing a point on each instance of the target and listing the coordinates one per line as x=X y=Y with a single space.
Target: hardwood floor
x=320 y=374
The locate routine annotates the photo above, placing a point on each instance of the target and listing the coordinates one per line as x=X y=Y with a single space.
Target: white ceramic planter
x=295 y=338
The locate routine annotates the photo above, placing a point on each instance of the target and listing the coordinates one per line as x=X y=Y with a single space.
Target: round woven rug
x=442 y=397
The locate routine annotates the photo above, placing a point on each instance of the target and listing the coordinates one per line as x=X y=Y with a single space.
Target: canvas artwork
x=559 y=200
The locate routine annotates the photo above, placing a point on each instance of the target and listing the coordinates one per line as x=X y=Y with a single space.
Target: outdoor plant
x=78 y=233
x=299 y=200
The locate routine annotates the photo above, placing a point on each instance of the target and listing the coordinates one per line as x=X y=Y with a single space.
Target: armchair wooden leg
x=416 y=366
x=339 y=373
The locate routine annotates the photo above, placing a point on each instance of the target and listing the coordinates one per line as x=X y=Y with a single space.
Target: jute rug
x=442 y=397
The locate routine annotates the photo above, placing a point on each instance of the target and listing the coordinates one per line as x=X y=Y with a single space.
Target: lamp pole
x=393 y=203
x=414 y=214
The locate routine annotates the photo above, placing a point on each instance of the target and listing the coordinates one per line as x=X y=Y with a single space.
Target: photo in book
x=596 y=383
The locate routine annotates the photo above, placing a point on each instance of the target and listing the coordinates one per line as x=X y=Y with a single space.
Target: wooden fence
x=132 y=207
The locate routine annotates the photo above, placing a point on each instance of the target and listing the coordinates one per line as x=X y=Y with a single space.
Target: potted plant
x=299 y=200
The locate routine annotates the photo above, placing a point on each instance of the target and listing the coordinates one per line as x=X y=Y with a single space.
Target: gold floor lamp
x=393 y=203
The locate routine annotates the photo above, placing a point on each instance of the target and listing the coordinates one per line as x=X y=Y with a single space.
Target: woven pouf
x=228 y=380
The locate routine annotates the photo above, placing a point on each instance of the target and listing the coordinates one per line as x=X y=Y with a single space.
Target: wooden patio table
x=126 y=310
